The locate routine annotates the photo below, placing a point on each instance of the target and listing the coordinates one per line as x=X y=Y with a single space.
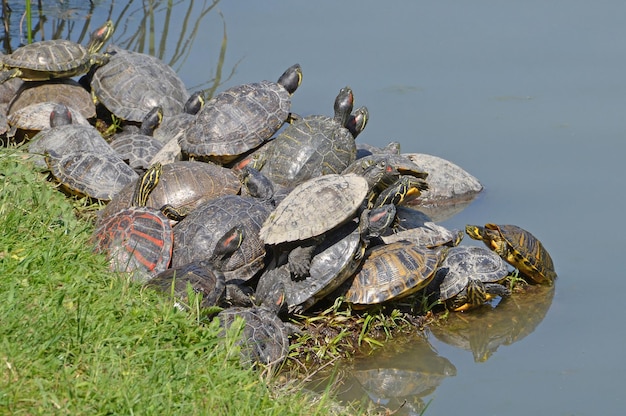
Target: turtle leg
x=299 y=258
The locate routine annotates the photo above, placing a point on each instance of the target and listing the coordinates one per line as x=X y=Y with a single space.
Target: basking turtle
x=127 y=85
x=62 y=91
x=451 y=187
x=95 y=175
x=517 y=247
x=469 y=276
x=139 y=148
x=58 y=58
x=198 y=233
x=30 y=120
x=413 y=225
x=183 y=186
x=265 y=337
x=137 y=239
x=204 y=276
x=393 y=271
x=240 y=119
x=311 y=146
x=64 y=137
x=332 y=262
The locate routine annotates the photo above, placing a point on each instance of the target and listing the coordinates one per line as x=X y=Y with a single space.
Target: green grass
x=77 y=339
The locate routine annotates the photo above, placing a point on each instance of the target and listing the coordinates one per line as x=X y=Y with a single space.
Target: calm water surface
x=527 y=96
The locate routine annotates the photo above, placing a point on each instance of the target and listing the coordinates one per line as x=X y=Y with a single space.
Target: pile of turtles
x=263 y=213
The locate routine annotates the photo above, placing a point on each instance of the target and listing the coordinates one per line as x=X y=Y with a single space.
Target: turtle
x=413 y=225
x=517 y=247
x=468 y=277
x=86 y=173
x=139 y=148
x=64 y=136
x=404 y=189
x=58 y=58
x=197 y=234
x=265 y=337
x=126 y=85
x=392 y=271
x=315 y=207
x=204 y=276
x=183 y=186
x=26 y=122
x=137 y=239
x=452 y=188
x=311 y=146
x=332 y=262
x=62 y=91
x=240 y=119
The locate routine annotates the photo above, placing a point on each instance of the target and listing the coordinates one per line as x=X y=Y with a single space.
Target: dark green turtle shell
x=239 y=119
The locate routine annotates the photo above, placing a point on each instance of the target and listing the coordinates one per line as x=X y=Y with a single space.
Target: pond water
x=528 y=97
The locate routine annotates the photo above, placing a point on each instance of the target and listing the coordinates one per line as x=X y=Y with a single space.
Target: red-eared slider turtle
x=139 y=148
x=63 y=137
x=240 y=119
x=314 y=207
x=95 y=175
x=137 y=239
x=311 y=146
x=59 y=58
x=62 y=91
x=30 y=120
x=517 y=247
x=204 y=276
x=451 y=187
x=184 y=186
x=198 y=233
x=469 y=276
x=332 y=262
x=264 y=339
x=132 y=83
x=415 y=226
x=393 y=271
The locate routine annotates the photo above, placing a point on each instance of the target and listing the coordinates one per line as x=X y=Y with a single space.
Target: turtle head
x=60 y=115
x=100 y=36
x=291 y=78
x=256 y=183
x=151 y=120
x=146 y=184
x=344 y=102
x=357 y=121
x=374 y=222
x=194 y=103
x=402 y=190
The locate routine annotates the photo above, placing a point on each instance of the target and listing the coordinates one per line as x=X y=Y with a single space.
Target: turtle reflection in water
x=398 y=375
x=483 y=331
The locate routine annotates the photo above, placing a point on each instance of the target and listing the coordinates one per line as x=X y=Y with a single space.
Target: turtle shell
x=264 y=338
x=203 y=278
x=183 y=185
x=198 y=234
x=57 y=58
x=137 y=150
x=314 y=207
x=312 y=146
x=127 y=85
x=63 y=91
x=413 y=225
x=238 y=120
x=463 y=263
x=393 y=271
x=96 y=175
x=137 y=239
x=519 y=248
